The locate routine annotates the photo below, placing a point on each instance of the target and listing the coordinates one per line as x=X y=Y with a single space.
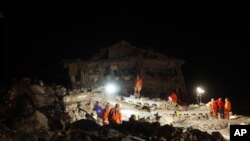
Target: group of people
x=113 y=115
x=108 y=114
x=219 y=108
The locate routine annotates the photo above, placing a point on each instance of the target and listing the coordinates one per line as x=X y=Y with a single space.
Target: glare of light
x=200 y=90
x=111 y=88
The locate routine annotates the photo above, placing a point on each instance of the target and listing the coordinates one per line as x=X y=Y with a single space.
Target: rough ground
x=30 y=111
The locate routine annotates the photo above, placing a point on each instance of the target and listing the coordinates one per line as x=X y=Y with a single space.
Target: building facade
x=121 y=63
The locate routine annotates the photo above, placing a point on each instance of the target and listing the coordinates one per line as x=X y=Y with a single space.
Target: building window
x=107 y=71
x=150 y=73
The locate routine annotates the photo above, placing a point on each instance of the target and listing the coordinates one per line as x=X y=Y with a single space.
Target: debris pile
x=31 y=111
x=133 y=131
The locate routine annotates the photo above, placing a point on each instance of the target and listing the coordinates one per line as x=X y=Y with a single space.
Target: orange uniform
x=211 y=107
x=115 y=115
x=138 y=83
x=228 y=108
x=173 y=96
x=214 y=108
x=221 y=104
x=106 y=115
x=138 y=86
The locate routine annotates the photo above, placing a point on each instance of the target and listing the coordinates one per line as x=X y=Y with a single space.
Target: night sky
x=209 y=36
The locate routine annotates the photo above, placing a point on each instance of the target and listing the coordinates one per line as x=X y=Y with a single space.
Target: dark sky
x=209 y=36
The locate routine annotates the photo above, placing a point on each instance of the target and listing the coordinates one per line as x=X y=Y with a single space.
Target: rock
x=37 y=122
x=217 y=136
x=87 y=125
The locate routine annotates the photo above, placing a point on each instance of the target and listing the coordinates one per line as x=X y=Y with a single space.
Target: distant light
x=200 y=90
x=111 y=88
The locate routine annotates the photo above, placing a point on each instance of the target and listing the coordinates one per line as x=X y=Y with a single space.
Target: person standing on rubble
x=173 y=97
x=106 y=114
x=115 y=116
x=138 y=86
x=227 y=108
x=210 y=106
x=221 y=105
x=214 y=108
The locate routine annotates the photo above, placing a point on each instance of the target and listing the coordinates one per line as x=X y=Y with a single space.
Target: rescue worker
x=227 y=108
x=115 y=116
x=214 y=108
x=221 y=105
x=106 y=114
x=138 y=86
x=210 y=107
x=173 y=97
x=98 y=109
x=133 y=118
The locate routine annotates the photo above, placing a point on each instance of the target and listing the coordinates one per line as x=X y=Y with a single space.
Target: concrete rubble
x=31 y=112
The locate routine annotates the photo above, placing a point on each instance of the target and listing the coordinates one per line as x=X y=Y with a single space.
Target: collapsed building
x=36 y=111
x=121 y=63
x=47 y=112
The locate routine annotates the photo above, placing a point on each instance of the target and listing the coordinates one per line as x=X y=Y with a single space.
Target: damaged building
x=121 y=63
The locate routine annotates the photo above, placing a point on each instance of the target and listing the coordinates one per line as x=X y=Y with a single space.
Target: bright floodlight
x=200 y=90
x=110 y=88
